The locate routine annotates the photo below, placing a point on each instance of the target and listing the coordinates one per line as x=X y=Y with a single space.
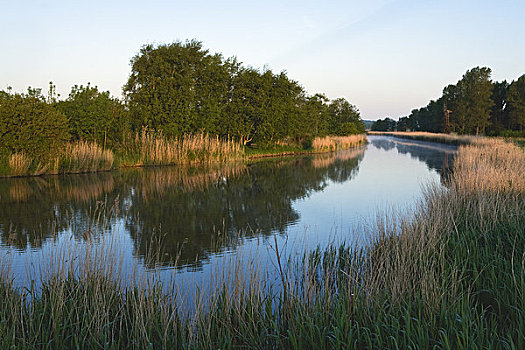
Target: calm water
x=196 y=214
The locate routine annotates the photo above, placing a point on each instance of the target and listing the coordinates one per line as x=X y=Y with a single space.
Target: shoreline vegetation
x=181 y=104
x=155 y=149
x=475 y=105
x=450 y=139
x=452 y=276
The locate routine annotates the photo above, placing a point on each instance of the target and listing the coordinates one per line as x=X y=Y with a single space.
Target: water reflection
x=191 y=208
x=195 y=210
x=436 y=156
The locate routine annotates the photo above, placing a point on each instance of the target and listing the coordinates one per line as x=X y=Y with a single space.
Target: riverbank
x=431 y=137
x=451 y=276
x=154 y=149
x=317 y=145
x=451 y=139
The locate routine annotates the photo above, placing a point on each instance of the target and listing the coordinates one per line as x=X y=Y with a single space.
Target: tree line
x=177 y=89
x=474 y=105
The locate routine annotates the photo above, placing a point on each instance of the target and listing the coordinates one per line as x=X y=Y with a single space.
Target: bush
x=307 y=142
x=30 y=125
x=512 y=133
x=94 y=115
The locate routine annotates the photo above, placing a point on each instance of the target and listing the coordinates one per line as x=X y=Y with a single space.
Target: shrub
x=30 y=125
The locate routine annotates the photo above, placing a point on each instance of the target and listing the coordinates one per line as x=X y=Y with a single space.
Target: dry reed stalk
x=432 y=137
x=490 y=165
x=332 y=143
x=84 y=156
x=157 y=149
x=19 y=164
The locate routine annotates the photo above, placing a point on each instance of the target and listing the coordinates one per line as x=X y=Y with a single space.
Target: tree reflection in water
x=190 y=209
x=436 y=156
x=192 y=212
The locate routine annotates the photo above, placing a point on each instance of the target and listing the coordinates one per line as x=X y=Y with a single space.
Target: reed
x=452 y=139
x=19 y=164
x=332 y=143
x=75 y=157
x=450 y=276
x=154 y=148
x=144 y=149
x=84 y=157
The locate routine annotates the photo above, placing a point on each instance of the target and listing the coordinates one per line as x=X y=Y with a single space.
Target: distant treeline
x=474 y=105
x=177 y=89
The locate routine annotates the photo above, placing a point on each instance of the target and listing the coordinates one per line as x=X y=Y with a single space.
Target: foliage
x=499 y=113
x=181 y=88
x=94 y=115
x=344 y=118
x=470 y=101
x=176 y=88
x=516 y=104
x=474 y=105
x=175 y=92
x=29 y=124
x=386 y=124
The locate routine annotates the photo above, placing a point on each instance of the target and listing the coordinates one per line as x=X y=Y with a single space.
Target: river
x=197 y=220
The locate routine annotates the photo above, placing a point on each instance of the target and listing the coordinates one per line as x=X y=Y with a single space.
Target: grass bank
x=77 y=157
x=317 y=145
x=451 y=139
x=154 y=149
x=452 y=276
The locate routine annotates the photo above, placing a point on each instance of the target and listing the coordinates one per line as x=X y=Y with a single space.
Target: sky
x=387 y=57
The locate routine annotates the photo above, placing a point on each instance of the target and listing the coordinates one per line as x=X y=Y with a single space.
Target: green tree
x=386 y=124
x=317 y=114
x=94 y=115
x=177 y=88
x=430 y=117
x=342 y=116
x=29 y=124
x=470 y=101
x=499 y=114
x=181 y=88
x=403 y=124
x=516 y=104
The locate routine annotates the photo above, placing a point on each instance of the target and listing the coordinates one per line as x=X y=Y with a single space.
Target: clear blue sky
x=386 y=57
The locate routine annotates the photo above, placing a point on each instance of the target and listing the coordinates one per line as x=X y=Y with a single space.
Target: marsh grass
x=451 y=139
x=332 y=143
x=154 y=148
x=452 y=276
x=75 y=157
x=147 y=148
x=84 y=157
x=317 y=145
x=19 y=163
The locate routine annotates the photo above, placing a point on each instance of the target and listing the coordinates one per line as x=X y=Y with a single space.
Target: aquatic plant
x=332 y=143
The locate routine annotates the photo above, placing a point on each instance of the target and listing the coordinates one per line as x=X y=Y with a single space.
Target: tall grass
x=153 y=148
x=19 y=163
x=75 y=157
x=83 y=157
x=452 y=276
x=452 y=139
x=332 y=143
x=145 y=148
